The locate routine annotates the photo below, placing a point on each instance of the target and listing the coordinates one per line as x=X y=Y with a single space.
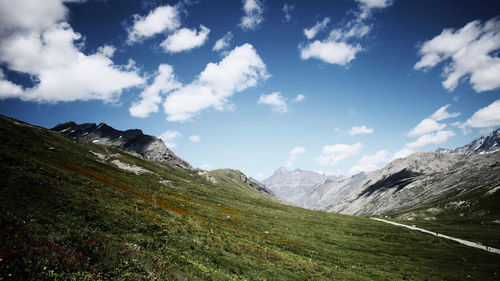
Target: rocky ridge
x=132 y=141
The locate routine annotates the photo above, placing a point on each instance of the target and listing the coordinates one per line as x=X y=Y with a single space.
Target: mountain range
x=403 y=184
x=80 y=210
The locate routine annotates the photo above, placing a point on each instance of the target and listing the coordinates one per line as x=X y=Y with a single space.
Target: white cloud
x=287 y=11
x=164 y=82
x=436 y=138
x=260 y=176
x=311 y=32
x=430 y=124
x=50 y=51
x=223 y=43
x=332 y=154
x=242 y=68
x=342 y=44
x=293 y=155
x=185 y=39
x=370 y=163
x=275 y=100
x=472 y=52
x=488 y=116
x=402 y=153
x=161 y=19
x=366 y=6
x=360 y=130
x=252 y=17
x=171 y=138
x=442 y=114
x=329 y=51
x=299 y=98
x=195 y=138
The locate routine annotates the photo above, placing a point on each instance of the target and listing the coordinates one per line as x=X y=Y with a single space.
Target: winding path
x=461 y=241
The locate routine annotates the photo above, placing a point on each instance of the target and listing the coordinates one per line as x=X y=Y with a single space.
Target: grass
x=473 y=216
x=69 y=215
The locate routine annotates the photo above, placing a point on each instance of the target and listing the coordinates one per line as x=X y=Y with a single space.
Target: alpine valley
x=88 y=202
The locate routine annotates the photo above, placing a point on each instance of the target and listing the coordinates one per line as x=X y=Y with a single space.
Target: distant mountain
x=132 y=141
x=290 y=186
x=482 y=145
x=419 y=179
x=411 y=182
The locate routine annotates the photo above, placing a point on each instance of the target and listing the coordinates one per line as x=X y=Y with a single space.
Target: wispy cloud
x=194 y=138
x=333 y=154
x=293 y=155
x=287 y=12
x=275 y=100
x=252 y=17
x=319 y=26
x=342 y=44
x=358 y=130
x=223 y=43
x=171 y=138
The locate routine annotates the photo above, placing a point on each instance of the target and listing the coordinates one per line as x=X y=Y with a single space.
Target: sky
x=337 y=87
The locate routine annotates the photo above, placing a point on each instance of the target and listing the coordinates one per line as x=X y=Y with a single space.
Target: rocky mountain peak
x=133 y=141
x=481 y=145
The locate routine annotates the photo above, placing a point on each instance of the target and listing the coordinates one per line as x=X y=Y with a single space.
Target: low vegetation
x=68 y=213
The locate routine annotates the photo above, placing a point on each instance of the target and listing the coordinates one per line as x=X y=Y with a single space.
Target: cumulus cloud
x=319 y=26
x=161 y=19
x=471 y=53
x=287 y=11
x=164 y=82
x=171 y=138
x=342 y=44
x=299 y=98
x=357 y=130
x=370 y=163
x=185 y=39
x=329 y=51
x=293 y=155
x=332 y=154
x=488 y=116
x=430 y=124
x=252 y=17
x=223 y=43
x=275 y=100
x=242 y=68
x=195 y=138
x=51 y=52
x=403 y=153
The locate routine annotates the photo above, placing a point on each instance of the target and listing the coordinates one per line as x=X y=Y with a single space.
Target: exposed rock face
x=292 y=185
x=132 y=141
x=482 y=145
x=419 y=179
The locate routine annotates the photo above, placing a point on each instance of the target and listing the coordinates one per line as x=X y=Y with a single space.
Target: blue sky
x=334 y=86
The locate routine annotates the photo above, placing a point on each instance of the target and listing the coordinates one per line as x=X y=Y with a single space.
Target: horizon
x=251 y=85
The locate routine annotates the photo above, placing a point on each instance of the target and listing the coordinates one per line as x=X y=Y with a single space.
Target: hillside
x=74 y=210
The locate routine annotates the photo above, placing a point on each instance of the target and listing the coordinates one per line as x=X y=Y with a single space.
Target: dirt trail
x=461 y=241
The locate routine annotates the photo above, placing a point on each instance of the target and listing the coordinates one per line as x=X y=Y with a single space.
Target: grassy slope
x=66 y=215
x=474 y=216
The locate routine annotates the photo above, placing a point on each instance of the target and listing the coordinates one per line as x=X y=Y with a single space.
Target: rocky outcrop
x=132 y=141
